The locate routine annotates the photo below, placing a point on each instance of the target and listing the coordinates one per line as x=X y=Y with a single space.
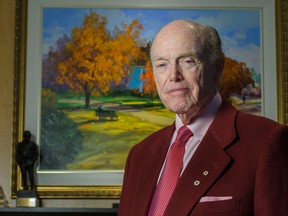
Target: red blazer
x=241 y=155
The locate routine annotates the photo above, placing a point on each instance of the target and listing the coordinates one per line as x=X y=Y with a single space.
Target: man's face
x=185 y=80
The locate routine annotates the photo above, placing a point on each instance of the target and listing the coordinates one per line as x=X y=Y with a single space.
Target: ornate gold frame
x=114 y=191
x=282 y=59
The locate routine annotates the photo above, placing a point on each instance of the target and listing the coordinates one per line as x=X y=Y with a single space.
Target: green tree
x=61 y=140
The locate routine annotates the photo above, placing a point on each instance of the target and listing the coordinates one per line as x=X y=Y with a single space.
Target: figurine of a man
x=26 y=156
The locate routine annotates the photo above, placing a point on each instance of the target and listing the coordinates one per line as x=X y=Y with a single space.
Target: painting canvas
x=98 y=98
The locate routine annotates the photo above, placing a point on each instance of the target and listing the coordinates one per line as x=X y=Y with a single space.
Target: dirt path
x=251 y=105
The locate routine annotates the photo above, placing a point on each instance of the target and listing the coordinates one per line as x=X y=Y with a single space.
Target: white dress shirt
x=199 y=128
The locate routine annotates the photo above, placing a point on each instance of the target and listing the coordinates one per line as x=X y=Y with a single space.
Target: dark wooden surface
x=58 y=211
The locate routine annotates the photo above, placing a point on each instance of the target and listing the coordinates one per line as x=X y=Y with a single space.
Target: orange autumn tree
x=96 y=59
x=149 y=86
x=236 y=76
x=124 y=50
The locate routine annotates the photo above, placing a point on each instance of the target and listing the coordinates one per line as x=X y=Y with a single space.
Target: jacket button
x=196 y=183
x=205 y=173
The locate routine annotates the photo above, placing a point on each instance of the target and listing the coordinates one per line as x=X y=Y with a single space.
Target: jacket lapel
x=206 y=165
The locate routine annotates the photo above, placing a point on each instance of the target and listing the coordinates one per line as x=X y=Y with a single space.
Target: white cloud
x=240 y=35
x=249 y=54
x=54 y=34
x=230 y=21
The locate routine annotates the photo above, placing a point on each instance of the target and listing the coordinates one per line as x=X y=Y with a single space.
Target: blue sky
x=239 y=29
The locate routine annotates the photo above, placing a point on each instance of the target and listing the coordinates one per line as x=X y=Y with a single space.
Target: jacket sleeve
x=124 y=203
x=271 y=183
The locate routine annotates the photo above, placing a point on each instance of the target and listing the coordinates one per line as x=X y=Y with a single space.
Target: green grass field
x=107 y=142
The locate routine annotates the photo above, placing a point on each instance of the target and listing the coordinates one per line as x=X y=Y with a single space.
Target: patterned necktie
x=170 y=174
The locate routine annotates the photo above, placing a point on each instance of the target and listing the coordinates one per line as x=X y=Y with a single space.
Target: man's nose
x=175 y=73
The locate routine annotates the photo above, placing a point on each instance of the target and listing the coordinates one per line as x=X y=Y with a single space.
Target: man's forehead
x=174 y=55
x=185 y=40
x=179 y=27
x=175 y=48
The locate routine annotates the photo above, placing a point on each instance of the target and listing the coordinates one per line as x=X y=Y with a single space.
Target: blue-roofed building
x=135 y=82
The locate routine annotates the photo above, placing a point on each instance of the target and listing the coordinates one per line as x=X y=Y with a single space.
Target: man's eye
x=190 y=61
x=161 y=65
x=187 y=63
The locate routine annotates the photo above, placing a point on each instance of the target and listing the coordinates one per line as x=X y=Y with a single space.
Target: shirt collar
x=201 y=124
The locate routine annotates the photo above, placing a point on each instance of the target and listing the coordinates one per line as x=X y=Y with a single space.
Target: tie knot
x=184 y=133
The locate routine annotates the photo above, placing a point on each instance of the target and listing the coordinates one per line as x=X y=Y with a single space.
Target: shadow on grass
x=94 y=121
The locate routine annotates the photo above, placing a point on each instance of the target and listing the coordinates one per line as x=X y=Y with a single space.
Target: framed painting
x=82 y=86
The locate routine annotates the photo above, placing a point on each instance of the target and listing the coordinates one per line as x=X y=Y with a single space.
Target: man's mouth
x=177 y=91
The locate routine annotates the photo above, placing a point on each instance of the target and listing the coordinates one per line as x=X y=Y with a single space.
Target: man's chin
x=180 y=111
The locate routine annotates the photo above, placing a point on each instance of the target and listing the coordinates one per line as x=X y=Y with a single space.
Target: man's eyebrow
x=189 y=54
x=159 y=59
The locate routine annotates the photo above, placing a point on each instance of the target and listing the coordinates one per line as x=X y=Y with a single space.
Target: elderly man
x=213 y=160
